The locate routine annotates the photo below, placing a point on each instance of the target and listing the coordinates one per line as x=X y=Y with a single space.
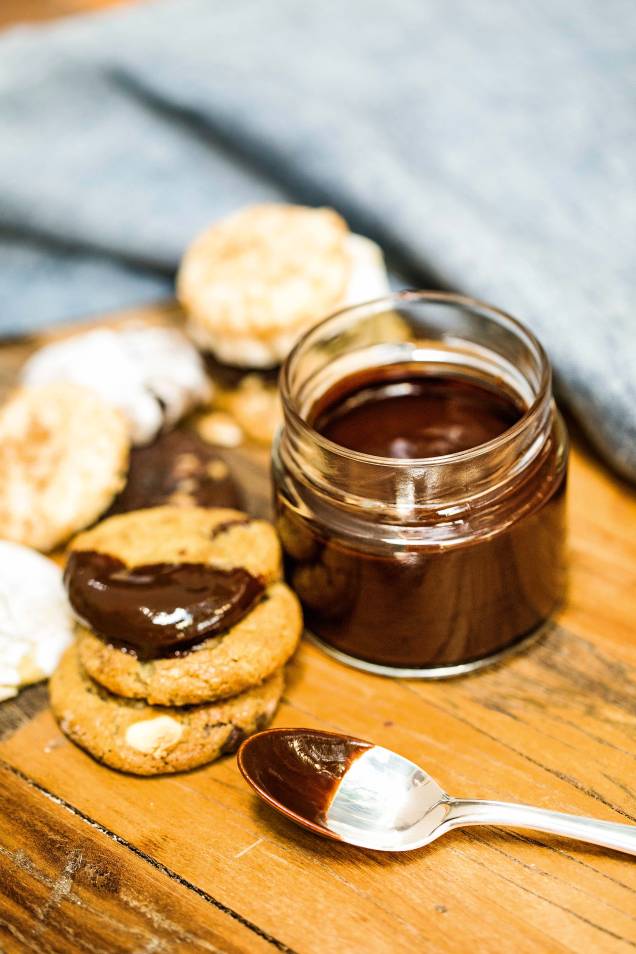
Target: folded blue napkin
x=489 y=147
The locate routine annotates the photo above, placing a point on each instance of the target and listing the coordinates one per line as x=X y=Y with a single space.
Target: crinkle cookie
x=253 y=282
x=220 y=537
x=36 y=624
x=133 y=737
x=153 y=374
x=63 y=457
x=220 y=666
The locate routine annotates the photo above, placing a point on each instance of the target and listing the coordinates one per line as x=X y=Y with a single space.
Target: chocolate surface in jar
x=420 y=485
x=405 y=412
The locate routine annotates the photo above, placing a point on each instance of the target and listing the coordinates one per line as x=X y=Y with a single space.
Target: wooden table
x=92 y=860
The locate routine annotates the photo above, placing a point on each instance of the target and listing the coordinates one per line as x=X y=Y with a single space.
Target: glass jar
x=432 y=565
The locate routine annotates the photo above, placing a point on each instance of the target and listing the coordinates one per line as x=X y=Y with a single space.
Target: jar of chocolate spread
x=420 y=484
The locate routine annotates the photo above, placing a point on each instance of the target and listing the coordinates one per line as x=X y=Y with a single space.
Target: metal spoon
x=353 y=791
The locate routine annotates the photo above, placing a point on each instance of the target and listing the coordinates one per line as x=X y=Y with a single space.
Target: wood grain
x=521 y=731
x=65 y=886
x=554 y=726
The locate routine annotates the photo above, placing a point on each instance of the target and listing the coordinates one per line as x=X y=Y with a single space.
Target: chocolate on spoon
x=363 y=794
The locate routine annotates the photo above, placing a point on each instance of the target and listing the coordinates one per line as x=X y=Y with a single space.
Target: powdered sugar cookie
x=255 y=281
x=63 y=457
x=153 y=374
x=36 y=623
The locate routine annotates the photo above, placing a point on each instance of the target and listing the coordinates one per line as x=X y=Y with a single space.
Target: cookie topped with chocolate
x=181 y=605
x=158 y=581
x=179 y=469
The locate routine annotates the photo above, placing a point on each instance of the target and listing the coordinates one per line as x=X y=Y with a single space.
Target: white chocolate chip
x=154 y=736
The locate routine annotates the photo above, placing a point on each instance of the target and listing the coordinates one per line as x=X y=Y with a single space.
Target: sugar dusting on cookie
x=153 y=374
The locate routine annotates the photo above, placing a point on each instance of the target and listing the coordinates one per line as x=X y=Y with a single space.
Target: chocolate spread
x=158 y=609
x=414 y=416
x=301 y=769
x=423 y=606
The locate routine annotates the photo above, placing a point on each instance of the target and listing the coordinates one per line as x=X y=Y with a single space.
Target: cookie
x=220 y=666
x=248 y=399
x=220 y=537
x=63 y=457
x=368 y=277
x=252 y=283
x=180 y=469
x=153 y=374
x=36 y=623
x=254 y=405
x=219 y=429
x=133 y=737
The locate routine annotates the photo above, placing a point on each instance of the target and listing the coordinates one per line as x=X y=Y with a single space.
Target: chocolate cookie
x=220 y=666
x=133 y=737
x=180 y=469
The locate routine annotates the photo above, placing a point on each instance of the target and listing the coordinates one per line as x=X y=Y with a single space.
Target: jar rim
x=459 y=457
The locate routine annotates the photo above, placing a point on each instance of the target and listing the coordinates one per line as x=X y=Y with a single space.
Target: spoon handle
x=608 y=834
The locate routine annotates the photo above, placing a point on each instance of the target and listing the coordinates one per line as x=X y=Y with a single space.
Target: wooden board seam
x=153 y=862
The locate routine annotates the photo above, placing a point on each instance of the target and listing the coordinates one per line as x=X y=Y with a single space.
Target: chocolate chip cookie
x=181 y=606
x=220 y=666
x=220 y=537
x=132 y=736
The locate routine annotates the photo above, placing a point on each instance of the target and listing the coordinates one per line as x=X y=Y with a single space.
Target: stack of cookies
x=185 y=629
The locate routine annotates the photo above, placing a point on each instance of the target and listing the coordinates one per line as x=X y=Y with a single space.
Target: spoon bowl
x=350 y=790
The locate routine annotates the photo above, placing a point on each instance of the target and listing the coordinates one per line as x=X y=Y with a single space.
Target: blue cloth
x=489 y=147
